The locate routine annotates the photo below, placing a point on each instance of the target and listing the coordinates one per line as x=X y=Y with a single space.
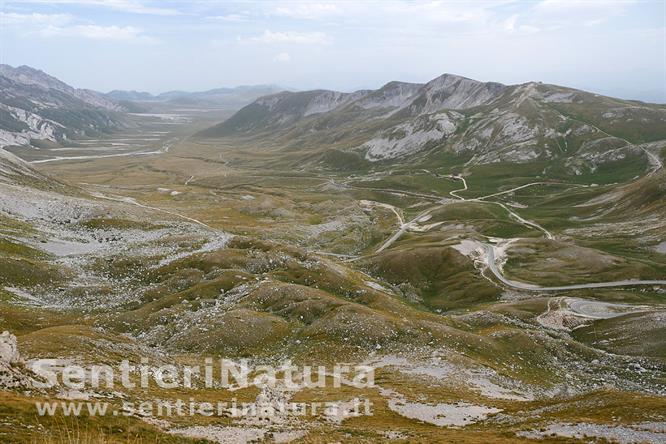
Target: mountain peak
x=450 y=91
x=451 y=79
x=393 y=94
x=28 y=75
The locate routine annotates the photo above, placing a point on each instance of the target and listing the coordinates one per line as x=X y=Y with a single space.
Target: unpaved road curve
x=453 y=193
x=513 y=214
x=405 y=226
x=490 y=251
x=524 y=221
x=372 y=203
x=401 y=231
x=655 y=161
x=531 y=184
x=499 y=193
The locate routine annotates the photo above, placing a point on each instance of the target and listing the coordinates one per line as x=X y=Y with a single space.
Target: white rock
x=9 y=353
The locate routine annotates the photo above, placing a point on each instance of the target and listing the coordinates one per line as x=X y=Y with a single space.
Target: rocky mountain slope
x=486 y=122
x=36 y=106
x=13 y=170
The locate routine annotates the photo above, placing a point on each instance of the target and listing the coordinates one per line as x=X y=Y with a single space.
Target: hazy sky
x=610 y=46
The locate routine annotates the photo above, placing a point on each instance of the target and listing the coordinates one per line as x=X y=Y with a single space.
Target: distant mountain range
x=36 y=106
x=226 y=98
x=486 y=121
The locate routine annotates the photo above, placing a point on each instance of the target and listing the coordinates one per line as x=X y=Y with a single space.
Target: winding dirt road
x=490 y=250
x=132 y=201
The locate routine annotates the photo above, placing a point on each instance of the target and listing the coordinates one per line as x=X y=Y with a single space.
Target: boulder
x=9 y=353
x=13 y=374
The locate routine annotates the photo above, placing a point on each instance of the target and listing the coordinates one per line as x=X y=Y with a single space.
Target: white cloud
x=269 y=37
x=510 y=23
x=595 y=22
x=235 y=18
x=132 y=6
x=575 y=12
x=14 y=19
x=512 y=26
x=66 y=25
x=401 y=10
x=456 y=12
x=282 y=57
x=567 y=6
x=308 y=10
x=94 y=32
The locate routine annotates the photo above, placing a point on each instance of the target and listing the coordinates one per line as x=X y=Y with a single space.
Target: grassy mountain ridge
x=489 y=122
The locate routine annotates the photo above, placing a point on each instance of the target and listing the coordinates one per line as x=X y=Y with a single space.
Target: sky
x=614 y=47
